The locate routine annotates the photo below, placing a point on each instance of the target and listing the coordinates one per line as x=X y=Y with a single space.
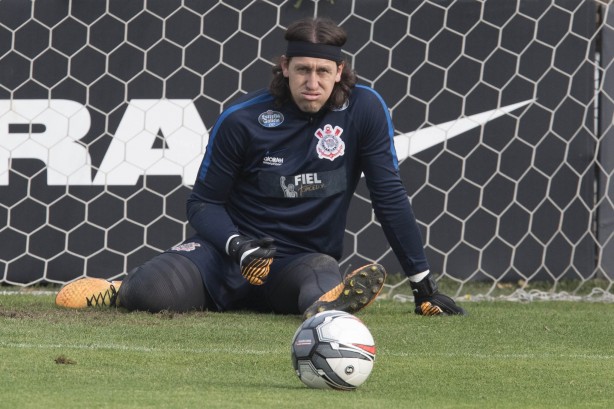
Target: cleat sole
x=360 y=288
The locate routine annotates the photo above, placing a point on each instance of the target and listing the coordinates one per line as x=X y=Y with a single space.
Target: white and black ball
x=333 y=350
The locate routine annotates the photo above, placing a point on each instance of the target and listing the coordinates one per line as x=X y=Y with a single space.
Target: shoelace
x=100 y=299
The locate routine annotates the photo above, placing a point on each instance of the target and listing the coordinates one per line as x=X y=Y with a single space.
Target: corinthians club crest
x=330 y=144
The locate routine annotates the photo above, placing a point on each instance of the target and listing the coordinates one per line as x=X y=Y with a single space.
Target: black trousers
x=175 y=281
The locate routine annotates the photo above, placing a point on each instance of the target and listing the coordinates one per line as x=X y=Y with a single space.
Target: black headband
x=315 y=50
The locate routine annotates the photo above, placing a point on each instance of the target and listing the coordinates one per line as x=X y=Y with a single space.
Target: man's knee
x=166 y=282
x=319 y=273
x=320 y=264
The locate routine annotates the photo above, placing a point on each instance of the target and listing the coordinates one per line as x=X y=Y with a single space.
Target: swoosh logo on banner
x=410 y=143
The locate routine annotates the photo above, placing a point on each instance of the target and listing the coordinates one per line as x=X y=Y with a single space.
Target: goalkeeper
x=272 y=193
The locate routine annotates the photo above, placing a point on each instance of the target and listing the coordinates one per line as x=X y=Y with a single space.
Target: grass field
x=503 y=355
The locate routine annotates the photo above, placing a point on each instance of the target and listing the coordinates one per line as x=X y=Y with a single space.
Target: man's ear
x=285 y=65
x=339 y=71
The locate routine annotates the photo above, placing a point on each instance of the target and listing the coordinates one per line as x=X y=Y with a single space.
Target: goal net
x=502 y=112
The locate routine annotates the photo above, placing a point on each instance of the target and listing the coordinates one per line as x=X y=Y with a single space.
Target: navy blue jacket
x=286 y=174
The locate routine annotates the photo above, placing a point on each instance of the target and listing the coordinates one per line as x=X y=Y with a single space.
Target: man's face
x=311 y=80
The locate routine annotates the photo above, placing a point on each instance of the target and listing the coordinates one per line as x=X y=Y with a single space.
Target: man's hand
x=429 y=301
x=438 y=304
x=254 y=256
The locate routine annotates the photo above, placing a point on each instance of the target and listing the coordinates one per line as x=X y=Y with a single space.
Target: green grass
x=503 y=355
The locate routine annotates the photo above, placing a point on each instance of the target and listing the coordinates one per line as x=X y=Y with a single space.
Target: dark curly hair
x=320 y=31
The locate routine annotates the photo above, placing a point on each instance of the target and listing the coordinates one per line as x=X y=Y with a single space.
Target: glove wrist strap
x=425 y=287
x=234 y=245
x=227 y=247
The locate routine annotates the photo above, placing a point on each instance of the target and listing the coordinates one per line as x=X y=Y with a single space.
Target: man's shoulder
x=252 y=98
x=365 y=93
x=245 y=105
x=364 y=100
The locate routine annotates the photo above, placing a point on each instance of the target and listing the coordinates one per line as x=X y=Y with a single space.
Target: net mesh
x=502 y=115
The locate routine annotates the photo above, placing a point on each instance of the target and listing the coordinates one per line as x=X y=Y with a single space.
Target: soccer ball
x=333 y=350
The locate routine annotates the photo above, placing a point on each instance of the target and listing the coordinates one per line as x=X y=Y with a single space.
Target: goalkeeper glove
x=429 y=301
x=254 y=257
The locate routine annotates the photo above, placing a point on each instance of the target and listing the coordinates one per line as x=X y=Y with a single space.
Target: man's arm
x=206 y=206
x=394 y=212
x=218 y=171
x=388 y=195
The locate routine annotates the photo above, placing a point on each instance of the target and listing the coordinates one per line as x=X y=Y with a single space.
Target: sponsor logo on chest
x=271 y=119
x=273 y=161
x=301 y=184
